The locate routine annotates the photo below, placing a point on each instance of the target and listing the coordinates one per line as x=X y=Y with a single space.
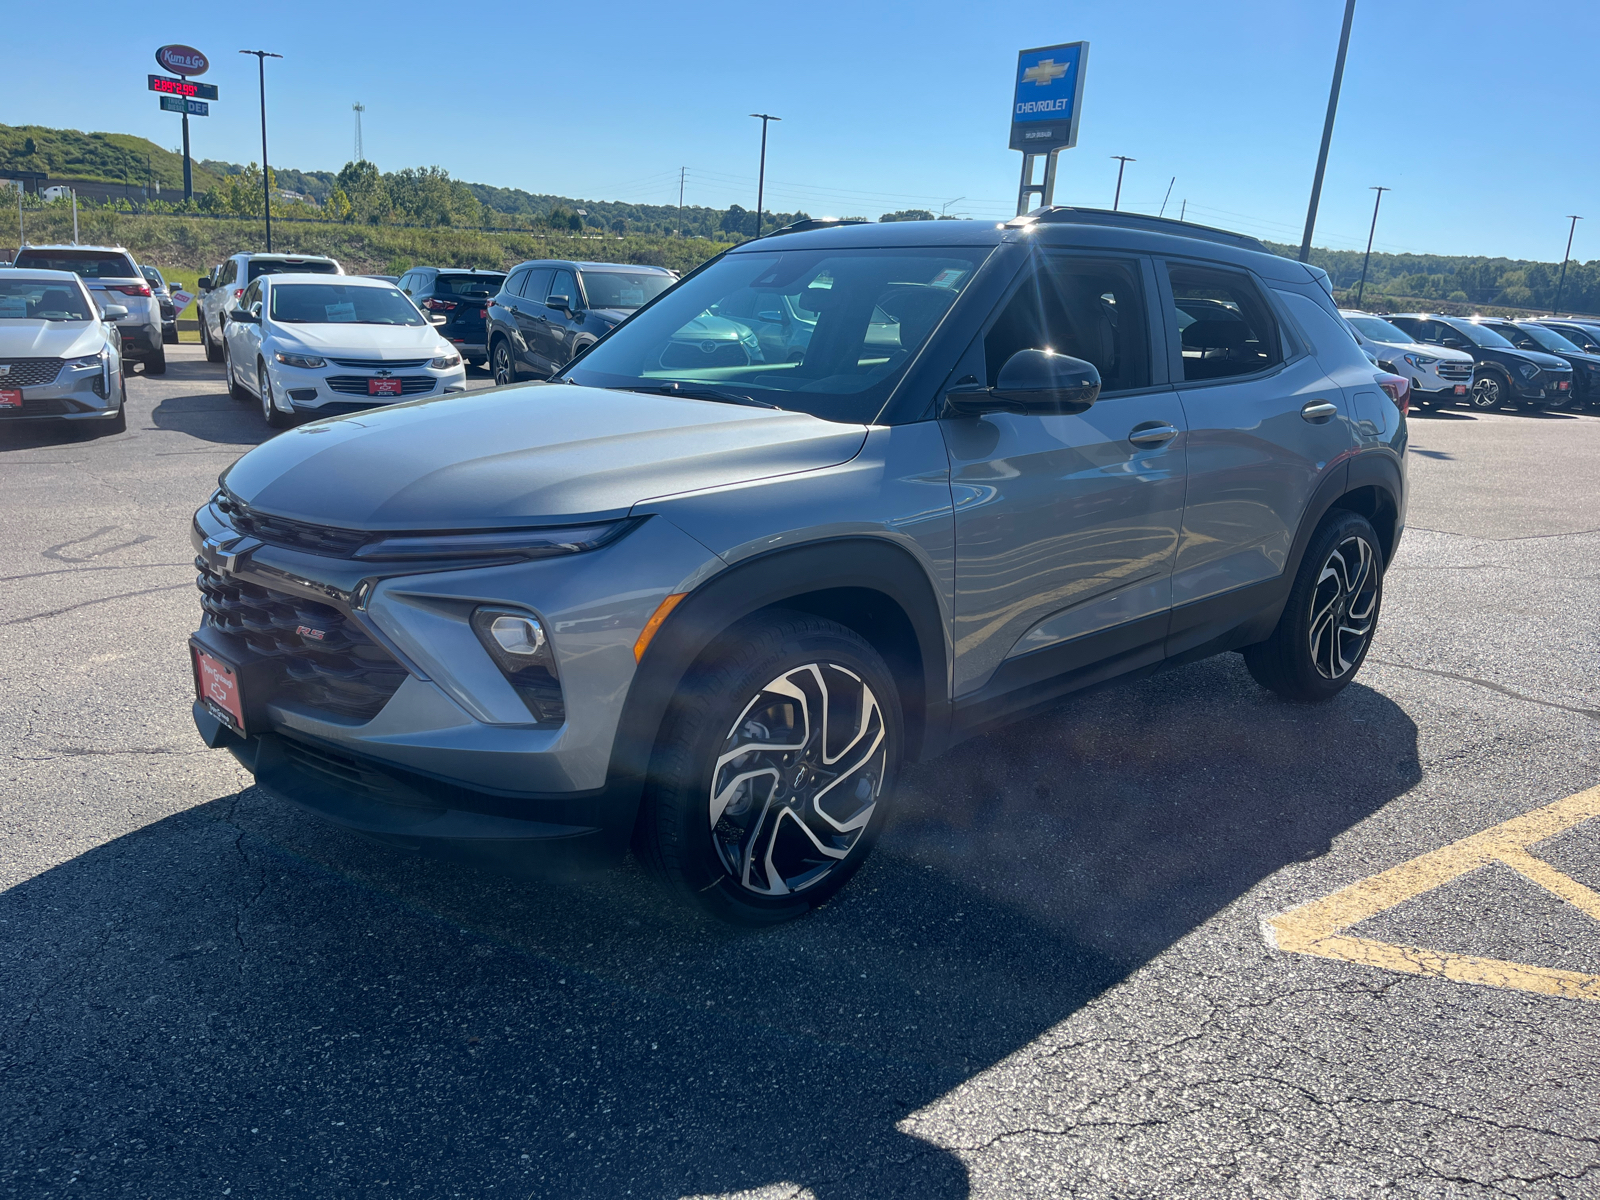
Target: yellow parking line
x=1319 y=927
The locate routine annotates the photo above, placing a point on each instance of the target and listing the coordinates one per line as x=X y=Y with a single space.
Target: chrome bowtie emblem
x=226 y=552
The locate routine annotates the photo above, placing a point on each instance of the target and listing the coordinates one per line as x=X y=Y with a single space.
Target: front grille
x=679 y=355
x=1457 y=371
x=356 y=385
x=295 y=535
x=382 y=364
x=29 y=372
x=328 y=660
x=353 y=775
x=33 y=406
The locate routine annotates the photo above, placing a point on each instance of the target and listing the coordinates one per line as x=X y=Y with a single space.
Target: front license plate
x=1461 y=389
x=217 y=685
x=10 y=397
x=383 y=387
x=1563 y=385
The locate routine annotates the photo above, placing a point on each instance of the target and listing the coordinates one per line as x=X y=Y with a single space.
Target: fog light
x=520 y=648
x=518 y=635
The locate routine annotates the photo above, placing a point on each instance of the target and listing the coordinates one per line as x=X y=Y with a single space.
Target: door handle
x=1152 y=434
x=1319 y=410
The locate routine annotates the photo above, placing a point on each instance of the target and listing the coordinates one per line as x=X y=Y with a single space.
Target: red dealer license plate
x=1461 y=389
x=217 y=685
x=10 y=397
x=383 y=387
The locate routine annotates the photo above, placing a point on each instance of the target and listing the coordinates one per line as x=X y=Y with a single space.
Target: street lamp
x=761 y=179
x=1362 y=286
x=1122 y=162
x=266 y=188
x=1555 y=308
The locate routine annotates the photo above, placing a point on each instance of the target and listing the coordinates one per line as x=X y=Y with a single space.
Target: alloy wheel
x=502 y=365
x=1486 y=393
x=797 y=779
x=1344 y=602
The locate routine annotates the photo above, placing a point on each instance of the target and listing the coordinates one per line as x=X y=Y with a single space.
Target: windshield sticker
x=340 y=312
x=631 y=297
x=13 y=306
x=948 y=277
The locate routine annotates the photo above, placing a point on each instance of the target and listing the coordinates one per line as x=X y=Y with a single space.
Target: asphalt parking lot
x=1077 y=965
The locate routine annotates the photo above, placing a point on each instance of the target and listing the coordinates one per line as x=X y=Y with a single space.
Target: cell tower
x=358 y=109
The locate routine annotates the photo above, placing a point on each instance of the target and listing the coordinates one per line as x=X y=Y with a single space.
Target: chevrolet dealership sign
x=1049 y=97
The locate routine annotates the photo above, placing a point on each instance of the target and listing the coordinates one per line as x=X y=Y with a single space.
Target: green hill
x=107 y=157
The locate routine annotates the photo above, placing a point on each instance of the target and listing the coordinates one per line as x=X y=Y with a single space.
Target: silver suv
x=220 y=291
x=113 y=280
x=707 y=609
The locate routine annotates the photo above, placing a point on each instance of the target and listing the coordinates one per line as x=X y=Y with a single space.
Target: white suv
x=1439 y=377
x=222 y=289
x=113 y=280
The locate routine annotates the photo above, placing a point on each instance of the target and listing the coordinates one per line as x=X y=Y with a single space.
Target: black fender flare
x=842 y=568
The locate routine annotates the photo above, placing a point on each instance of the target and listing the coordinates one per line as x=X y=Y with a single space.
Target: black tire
x=213 y=351
x=502 y=363
x=119 y=423
x=269 y=410
x=158 y=364
x=1489 y=391
x=1331 y=616
x=717 y=858
x=236 y=389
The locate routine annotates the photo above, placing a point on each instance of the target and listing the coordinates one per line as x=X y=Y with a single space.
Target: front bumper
x=451 y=762
x=1544 y=388
x=332 y=390
x=81 y=394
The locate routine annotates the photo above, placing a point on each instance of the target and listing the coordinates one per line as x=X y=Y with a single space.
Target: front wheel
x=1327 y=624
x=269 y=409
x=770 y=780
x=213 y=351
x=505 y=371
x=1488 y=392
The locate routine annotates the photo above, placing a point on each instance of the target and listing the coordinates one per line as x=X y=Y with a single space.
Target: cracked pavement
x=1050 y=980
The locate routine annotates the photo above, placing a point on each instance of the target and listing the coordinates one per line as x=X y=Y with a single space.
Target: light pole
x=1571 y=229
x=1122 y=162
x=945 y=206
x=761 y=179
x=266 y=188
x=1167 y=197
x=1377 y=200
x=1327 y=130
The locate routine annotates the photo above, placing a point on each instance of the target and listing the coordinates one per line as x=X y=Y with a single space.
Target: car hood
x=707 y=328
x=361 y=341
x=1421 y=349
x=614 y=316
x=537 y=454
x=49 y=339
x=1537 y=357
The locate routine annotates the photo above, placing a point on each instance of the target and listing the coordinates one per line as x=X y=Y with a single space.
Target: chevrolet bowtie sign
x=1049 y=96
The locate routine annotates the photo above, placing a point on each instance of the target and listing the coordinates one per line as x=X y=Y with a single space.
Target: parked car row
x=1486 y=362
x=61 y=350
x=113 y=280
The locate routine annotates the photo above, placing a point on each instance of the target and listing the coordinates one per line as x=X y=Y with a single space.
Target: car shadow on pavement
x=213 y=417
x=239 y=997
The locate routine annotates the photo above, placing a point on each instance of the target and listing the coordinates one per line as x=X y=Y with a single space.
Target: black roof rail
x=1061 y=214
x=811 y=223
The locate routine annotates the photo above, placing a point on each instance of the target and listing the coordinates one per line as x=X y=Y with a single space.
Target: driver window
x=251 y=300
x=1090 y=308
x=563 y=285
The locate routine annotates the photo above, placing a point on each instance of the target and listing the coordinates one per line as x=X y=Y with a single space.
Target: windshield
x=825 y=332
x=342 y=304
x=1549 y=339
x=467 y=285
x=42 y=300
x=626 y=290
x=89 y=264
x=1483 y=336
x=258 y=267
x=1379 y=330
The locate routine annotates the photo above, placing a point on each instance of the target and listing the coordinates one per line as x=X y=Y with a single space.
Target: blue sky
x=1476 y=114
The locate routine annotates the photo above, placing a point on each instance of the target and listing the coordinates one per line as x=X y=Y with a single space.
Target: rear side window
x=259 y=267
x=513 y=284
x=1090 y=308
x=1225 y=325
x=87 y=264
x=537 y=285
x=466 y=285
x=1580 y=336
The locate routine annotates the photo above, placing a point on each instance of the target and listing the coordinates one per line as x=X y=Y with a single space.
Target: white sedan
x=317 y=346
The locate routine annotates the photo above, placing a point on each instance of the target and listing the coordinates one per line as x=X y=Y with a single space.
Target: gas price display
x=183 y=87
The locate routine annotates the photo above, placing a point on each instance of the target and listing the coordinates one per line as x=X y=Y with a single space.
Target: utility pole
x=1122 y=162
x=1377 y=200
x=761 y=179
x=1167 y=197
x=188 y=172
x=266 y=187
x=1327 y=130
x=1184 y=211
x=946 y=205
x=1571 y=229
x=358 y=108
x=74 y=216
x=683 y=173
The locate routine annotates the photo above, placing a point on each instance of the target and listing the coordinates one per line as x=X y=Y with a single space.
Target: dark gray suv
x=707 y=607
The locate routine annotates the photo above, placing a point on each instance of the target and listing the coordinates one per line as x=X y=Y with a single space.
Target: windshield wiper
x=695 y=391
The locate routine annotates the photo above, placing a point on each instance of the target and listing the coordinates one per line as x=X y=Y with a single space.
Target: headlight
x=1527 y=370
x=496 y=543
x=1420 y=360
x=446 y=360
x=85 y=361
x=304 y=361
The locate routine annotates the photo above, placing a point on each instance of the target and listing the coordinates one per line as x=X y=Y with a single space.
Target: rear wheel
x=505 y=370
x=1489 y=391
x=158 y=364
x=235 y=388
x=269 y=409
x=1327 y=624
x=771 y=777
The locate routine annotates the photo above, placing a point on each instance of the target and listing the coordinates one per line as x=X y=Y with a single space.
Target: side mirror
x=436 y=318
x=204 y=283
x=1039 y=382
x=112 y=312
x=772 y=318
x=562 y=302
x=243 y=316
